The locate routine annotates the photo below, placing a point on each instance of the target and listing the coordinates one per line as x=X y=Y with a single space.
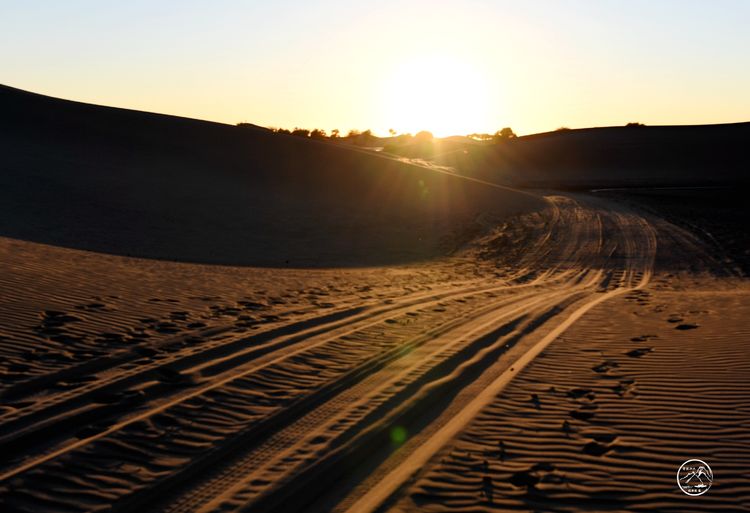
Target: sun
x=443 y=94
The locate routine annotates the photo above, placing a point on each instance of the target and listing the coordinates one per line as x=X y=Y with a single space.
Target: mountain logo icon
x=695 y=477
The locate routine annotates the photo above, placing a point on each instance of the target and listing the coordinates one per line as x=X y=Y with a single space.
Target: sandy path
x=321 y=411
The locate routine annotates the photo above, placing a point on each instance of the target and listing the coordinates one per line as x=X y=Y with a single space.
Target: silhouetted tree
x=634 y=125
x=335 y=133
x=301 y=132
x=392 y=132
x=423 y=136
x=506 y=134
x=318 y=133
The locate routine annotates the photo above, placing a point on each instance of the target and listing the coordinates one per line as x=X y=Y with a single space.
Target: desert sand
x=537 y=350
x=146 y=185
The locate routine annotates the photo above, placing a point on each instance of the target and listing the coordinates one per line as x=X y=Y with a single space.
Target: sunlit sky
x=448 y=67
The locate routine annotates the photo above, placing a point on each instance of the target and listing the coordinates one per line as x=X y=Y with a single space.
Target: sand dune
x=556 y=353
x=612 y=157
x=139 y=184
x=329 y=390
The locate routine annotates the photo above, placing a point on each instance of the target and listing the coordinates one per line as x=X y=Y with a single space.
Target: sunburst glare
x=440 y=93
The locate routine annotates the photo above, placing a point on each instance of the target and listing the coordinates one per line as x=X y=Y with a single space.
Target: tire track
x=348 y=357
x=19 y=433
x=238 y=423
x=377 y=397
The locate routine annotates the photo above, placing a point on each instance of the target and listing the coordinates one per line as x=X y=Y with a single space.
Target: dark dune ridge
x=134 y=183
x=614 y=157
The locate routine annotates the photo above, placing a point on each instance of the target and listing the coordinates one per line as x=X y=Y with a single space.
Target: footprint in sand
x=596 y=449
x=584 y=413
x=147 y=352
x=604 y=438
x=686 y=326
x=243 y=319
x=577 y=393
x=600 y=444
x=167 y=328
x=252 y=305
x=642 y=338
x=530 y=477
x=624 y=387
x=94 y=307
x=637 y=353
x=54 y=321
x=524 y=478
x=605 y=366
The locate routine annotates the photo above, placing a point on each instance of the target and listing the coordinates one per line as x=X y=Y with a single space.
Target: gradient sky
x=449 y=67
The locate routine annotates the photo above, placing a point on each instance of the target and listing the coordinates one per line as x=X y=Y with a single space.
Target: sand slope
x=613 y=157
x=568 y=357
x=134 y=183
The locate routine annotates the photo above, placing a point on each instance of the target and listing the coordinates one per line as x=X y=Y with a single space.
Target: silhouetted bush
x=360 y=138
x=634 y=125
x=301 y=132
x=506 y=134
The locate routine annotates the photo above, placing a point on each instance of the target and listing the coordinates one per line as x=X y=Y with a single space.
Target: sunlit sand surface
x=384 y=335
